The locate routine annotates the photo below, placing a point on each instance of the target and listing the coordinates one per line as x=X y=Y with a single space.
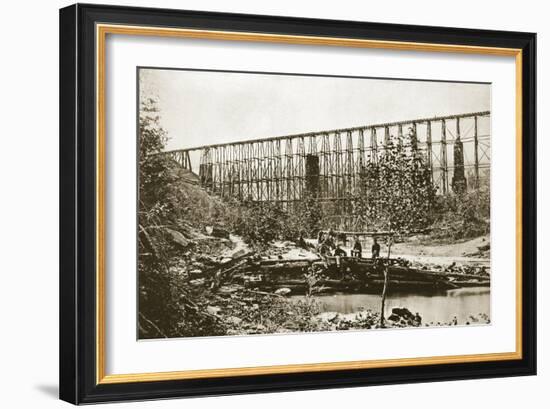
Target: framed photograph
x=257 y=203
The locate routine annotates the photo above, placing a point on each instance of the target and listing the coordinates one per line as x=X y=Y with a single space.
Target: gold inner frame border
x=102 y=30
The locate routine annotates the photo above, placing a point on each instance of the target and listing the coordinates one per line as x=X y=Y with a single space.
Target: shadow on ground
x=50 y=390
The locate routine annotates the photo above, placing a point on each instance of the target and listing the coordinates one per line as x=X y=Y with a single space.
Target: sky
x=204 y=107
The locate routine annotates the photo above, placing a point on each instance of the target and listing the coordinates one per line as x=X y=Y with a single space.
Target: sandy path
x=460 y=249
x=444 y=254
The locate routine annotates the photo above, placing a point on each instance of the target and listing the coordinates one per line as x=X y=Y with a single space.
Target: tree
x=168 y=307
x=307 y=216
x=398 y=193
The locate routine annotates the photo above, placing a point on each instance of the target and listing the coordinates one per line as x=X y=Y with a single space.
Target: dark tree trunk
x=386 y=279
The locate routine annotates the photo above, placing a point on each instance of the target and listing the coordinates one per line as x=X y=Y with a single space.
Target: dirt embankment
x=476 y=248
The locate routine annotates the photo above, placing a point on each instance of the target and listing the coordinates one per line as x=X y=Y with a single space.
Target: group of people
x=327 y=245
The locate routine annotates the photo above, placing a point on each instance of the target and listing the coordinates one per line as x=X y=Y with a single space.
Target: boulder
x=401 y=313
x=178 y=238
x=283 y=291
x=217 y=232
x=213 y=310
x=234 y=320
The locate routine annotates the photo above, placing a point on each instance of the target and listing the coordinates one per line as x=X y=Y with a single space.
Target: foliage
x=253 y=312
x=463 y=216
x=312 y=278
x=398 y=193
x=258 y=223
x=363 y=320
x=307 y=216
x=155 y=171
x=167 y=307
x=170 y=307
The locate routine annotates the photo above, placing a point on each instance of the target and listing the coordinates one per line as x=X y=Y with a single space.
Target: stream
x=437 y=307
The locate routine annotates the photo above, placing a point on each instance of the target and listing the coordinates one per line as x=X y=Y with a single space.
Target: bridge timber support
x=327 y=165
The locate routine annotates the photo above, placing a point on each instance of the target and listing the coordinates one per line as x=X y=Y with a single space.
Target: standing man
x=357 y=249
x=322 y=249
x=338 y=254
x=301 y=242
x=329 y=240
x=375 y=250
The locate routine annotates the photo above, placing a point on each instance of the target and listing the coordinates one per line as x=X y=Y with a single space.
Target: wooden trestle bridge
x=328 y=164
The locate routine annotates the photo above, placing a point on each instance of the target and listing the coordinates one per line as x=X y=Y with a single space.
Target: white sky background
x=202 y=108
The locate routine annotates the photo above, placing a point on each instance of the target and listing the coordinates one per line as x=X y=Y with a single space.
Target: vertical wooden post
x=325 y=152
x=268 y=146
x=429 y=149
x=459 y=182
x=230 y=169
x=361 y=188
x=476 y=153
x=350 y=172
x=374 y=146
x=338 y=170
x=249 y=186
x=257 y=166
x=444 y=176
x=240 y=171
x=289 y=171
x=300 y=174
x=278 y=166
x=386 y=281
x=361 y=145
x=414 y=139
x=386 y=137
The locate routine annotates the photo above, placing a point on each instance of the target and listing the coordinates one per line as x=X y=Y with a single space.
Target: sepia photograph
x=273 y=203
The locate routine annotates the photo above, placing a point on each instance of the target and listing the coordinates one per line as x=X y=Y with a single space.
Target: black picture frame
x=78 y=360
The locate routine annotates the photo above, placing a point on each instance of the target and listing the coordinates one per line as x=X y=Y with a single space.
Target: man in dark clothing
x=301 y=242
x=357 y=249
x=375 y=250
x=339 y=252
x=329 y=240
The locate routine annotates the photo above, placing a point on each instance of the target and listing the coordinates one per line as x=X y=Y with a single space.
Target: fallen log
x=221 y=272
x=286 y=261
x=281 y=269
x=221 y=275
x=215 y=231
x=228 y=263
x=409 y=272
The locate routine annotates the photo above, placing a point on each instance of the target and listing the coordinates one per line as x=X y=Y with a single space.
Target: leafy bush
x=463 y=216
x=307 y=217
x=259 y=223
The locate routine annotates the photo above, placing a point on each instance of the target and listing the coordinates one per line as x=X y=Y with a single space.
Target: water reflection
x=440 y=307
